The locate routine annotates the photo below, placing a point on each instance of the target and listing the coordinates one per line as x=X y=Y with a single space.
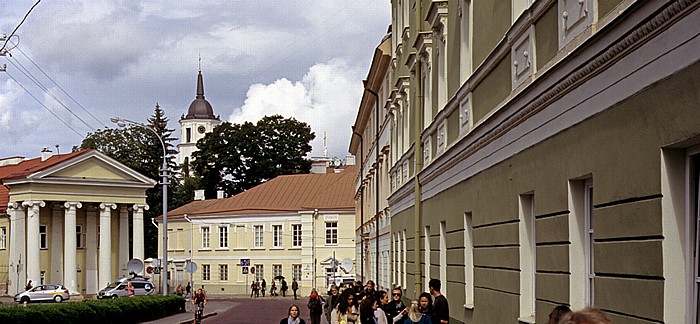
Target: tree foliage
x=140 y=149
x=237 y=157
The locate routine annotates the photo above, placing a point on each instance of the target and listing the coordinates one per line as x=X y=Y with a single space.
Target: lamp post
x=164 y=173
x=191 y=233
x=376 y=182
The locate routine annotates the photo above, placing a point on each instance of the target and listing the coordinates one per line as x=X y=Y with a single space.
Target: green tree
x=140 y=149
x=237 y=157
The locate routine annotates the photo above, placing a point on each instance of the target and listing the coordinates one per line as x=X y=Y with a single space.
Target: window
x=695 y=230
x=205 y=237
x=79 y=236
x=590 y=272
x=443 y=256
x=426 y=256
x=223 y=236
x=258 y=236
x=276 y=270
x=276 y=235
x=259 y=272
x=3 y=238
x=296 y=272
x=465 y=61
x=528 y=250
x=468 y=262
x=43 y=241
x=331 y=233
x=296 y=235
x=206 y=272
x=403 y=259
x=223 y=272
x=188 y=135
x=580 y=236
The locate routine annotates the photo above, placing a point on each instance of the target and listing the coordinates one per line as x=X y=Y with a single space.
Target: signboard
x=244 y=270
x=149 y=270
x=156 y=270
x=252 y=270
x=191 y=267
x=245 y=262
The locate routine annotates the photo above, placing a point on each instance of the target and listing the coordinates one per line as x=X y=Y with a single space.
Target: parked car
x=50 y=292
x=118 y=288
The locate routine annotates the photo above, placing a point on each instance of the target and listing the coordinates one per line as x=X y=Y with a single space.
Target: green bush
x=121 y=310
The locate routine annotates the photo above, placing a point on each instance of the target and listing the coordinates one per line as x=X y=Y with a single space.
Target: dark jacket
x=284 y=320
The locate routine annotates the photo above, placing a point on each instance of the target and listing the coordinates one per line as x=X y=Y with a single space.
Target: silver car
x=56 y=293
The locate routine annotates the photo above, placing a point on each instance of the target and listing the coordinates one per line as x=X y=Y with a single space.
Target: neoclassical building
x=291 y=226
x=198 y=121
x=541 y=153
x=74 y=219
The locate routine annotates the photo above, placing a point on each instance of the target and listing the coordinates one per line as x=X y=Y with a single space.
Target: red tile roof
x=284 y=194
x=26 y=168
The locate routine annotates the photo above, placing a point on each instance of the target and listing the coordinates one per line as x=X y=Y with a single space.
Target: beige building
x=291 y=226
x=54 y=210
x=543 y=153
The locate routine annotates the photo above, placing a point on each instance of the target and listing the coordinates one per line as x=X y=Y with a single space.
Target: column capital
x=72 y=205
x=31 y=203
x=140 y=206
x=13 y=205
x=104 y=206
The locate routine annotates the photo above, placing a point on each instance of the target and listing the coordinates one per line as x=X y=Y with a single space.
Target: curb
x=203 y=317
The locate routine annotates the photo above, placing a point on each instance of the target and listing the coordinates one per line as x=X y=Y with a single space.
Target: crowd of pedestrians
x=358 y=304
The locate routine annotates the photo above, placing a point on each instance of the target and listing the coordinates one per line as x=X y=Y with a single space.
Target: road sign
x=156 y=270
x=252 y=270
x=191 y=267
x=244 y=270
x=245 y=262
x=149 y=270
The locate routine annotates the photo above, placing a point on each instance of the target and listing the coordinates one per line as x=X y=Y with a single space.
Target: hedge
x=120 y=310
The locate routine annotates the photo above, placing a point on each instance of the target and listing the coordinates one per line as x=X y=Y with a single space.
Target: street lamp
x=122 y=123
x=191 y=247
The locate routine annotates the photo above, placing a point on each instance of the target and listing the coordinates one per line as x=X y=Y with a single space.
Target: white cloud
x=326 y=98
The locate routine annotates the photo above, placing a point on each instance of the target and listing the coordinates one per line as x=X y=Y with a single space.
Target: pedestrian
x=440 y=305
x=369 y=290
x=397 y=309
x=130 y=290
x=331 y=302
x=380 y=313
x=273 y=289
x=293 y=316
x=425 y=304
x=558 y=313
x=346 y=312
x=29 y=285
x=314 y=305
x=179 y=290
x=284 y=288
x=188 y=289
x=415 y=316
x=367 y=308
x=252 y=289
x=295 y=286
x=586 y=316
x=263 y=285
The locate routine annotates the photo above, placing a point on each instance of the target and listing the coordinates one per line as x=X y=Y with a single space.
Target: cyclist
x=200 y=299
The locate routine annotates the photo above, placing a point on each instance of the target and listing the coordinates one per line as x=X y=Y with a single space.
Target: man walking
x=440 y=306
x=295 y=286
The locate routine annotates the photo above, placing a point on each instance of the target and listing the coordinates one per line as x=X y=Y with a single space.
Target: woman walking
x=293 y=316
x=315 y=307
x=415 y=316
x=367 y=308
x=379 y=313
x=346 y=312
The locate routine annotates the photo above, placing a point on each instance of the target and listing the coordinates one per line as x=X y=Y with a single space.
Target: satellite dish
x=346 y=265
x=134 y=266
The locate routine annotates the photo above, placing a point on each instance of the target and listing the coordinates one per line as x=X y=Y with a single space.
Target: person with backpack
x=295 y=287
x=315 y=307
x=284 y=288
x=263 y=285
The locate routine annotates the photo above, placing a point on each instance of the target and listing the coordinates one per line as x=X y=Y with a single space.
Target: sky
x=73 y=64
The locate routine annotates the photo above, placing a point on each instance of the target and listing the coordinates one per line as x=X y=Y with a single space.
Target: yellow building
x=291 y=226
x=54 y=210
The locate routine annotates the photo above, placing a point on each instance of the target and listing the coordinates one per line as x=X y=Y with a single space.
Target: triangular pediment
x=93 y=165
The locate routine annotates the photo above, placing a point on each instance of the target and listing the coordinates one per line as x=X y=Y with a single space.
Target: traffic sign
x=149 y=270
x=245 y=262
x=252 y=270
x=244 y=270
x=191 y=267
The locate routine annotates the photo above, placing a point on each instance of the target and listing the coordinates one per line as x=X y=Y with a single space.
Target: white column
x=105 y=257
x=56 y=243
x=33 y=256
x=123 y=240
x=91 y=282
x=137 y=228
x=70 y=246
x=18 y=257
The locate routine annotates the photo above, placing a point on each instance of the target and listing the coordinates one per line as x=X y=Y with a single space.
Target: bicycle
x=188 y=302
x=199 y=313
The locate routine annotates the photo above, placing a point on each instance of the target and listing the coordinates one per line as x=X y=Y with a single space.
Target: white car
x=56 y=293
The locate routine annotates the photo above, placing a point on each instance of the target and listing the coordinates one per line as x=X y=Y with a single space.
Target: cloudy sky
x=75 y=63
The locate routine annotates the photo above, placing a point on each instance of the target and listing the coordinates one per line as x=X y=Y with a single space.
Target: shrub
x=121 y=310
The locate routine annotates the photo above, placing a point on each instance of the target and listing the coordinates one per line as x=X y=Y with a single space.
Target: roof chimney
x=199 y=194
x=45 y=154
x=219 y=194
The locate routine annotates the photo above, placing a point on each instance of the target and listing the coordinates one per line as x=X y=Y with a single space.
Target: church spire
x=200 y=86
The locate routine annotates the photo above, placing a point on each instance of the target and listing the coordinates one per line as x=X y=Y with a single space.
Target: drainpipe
x=418 y=147
x=362 y=203
x=376 y=181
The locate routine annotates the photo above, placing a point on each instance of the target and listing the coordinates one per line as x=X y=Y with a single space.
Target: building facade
x=545 y=153
x=55 y=209
x=199 y=121
x=292 y=226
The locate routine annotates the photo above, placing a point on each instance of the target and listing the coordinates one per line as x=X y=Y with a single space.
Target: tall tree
x=237 y=157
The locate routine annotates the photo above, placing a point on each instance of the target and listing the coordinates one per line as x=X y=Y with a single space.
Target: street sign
x=149 y=270
x=245 y=262
x=191 y=267
x=244 y=270
x=252 y=270
x=156 y=263
x=156 y=270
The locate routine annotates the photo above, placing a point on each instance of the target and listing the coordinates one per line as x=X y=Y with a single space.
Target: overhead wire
x=20 y=24
x=42 y=104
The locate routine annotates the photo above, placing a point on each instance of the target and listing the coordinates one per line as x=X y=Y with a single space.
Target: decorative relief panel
x=574 y=17
x=465 y=113
x=523 y=59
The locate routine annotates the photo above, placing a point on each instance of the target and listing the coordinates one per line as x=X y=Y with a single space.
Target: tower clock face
x=201 y=129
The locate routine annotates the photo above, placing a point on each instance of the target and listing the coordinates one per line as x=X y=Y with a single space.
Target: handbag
x=341 y=320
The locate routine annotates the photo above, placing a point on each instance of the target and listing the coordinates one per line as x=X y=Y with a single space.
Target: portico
x=69 y=220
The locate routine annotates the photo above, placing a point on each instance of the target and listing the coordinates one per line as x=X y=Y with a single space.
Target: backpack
x=313 y=303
